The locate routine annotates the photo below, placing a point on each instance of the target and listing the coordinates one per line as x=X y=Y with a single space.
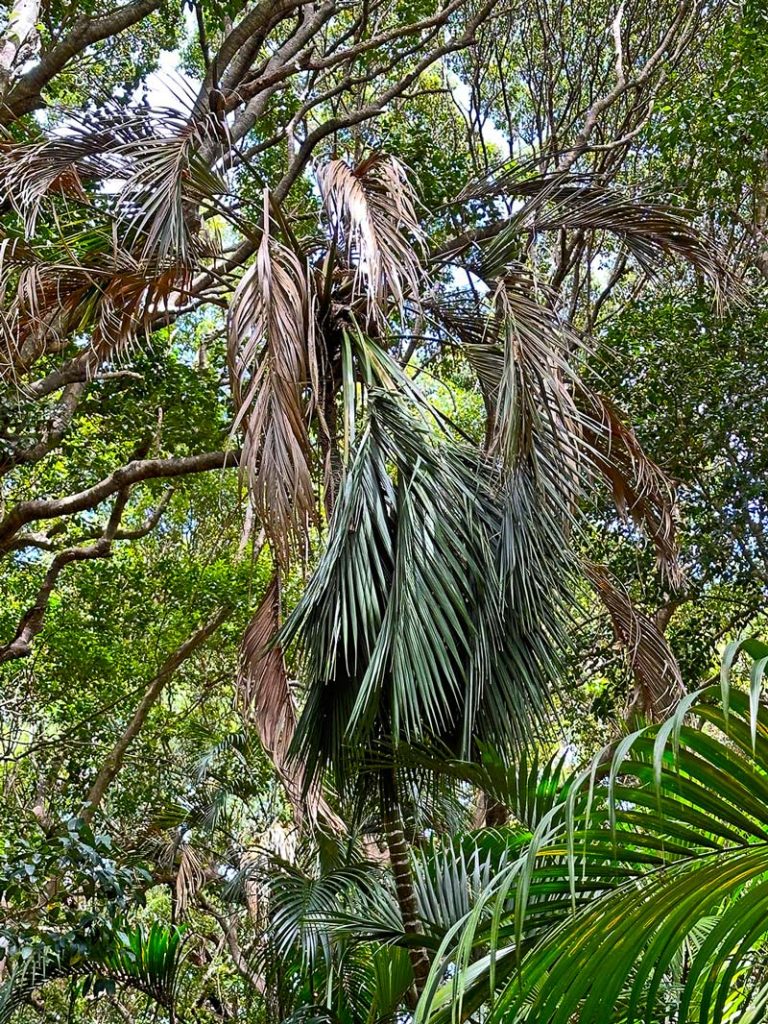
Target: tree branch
x=25 y=95
x=142 y=469
x=116 y=756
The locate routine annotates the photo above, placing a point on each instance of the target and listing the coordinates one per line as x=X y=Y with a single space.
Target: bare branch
x=142 y=469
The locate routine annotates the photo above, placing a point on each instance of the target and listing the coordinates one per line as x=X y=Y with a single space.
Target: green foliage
x=413 y=260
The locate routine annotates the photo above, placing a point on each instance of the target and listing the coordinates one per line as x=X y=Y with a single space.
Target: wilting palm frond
x=271 y=362
x=641 y=490
x=372 y=210
x=127 y=197
x=264 y=689
x=658 y=684
x=552 y=202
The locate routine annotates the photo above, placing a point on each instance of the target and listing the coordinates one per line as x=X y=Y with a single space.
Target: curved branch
x=142 y=469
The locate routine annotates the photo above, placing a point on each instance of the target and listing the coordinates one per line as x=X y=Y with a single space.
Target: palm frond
x=271 y=363
x=671 y=849
x=372 y=210
x=262 y=680
x=658 y=683
x=413 y=611
x=641 y=490
x=552 y=202
x=145 y=959
x=124 y=196
x=268 y=704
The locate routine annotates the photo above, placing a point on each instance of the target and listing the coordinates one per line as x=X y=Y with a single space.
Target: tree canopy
x=383 y=548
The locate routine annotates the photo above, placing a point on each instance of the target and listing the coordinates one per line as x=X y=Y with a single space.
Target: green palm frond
x=301 y=905
x=662 y=845
x=414 y=608
x=145 y=959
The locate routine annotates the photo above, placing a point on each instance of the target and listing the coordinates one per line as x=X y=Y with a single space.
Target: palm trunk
x=406 y=898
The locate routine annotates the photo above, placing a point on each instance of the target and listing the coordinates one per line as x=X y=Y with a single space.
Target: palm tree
x=145 y=960
x=436 y=611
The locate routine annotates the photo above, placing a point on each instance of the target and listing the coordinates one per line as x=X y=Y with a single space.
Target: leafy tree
x=340 y=359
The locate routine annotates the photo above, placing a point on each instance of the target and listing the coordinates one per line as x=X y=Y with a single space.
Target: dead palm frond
x=372 y=211
x=142 y=171
x=125 y=198
x=263 y=684
x=268 y=705
x=272 y=364
x=641 y=490
x=658 y=684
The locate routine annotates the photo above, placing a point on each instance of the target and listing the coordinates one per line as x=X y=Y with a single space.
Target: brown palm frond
x=267 y=704
x=190 y=877
x=658 y=684
x=145 y=173
x=125 y=193
x=562 y=201
x=85 y=286
x=641 y=490
x=263 y=689
x=372 y=209
x=271 y=355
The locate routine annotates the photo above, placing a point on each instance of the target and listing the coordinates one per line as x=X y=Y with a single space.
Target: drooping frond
x=271 y=364
x=552 y=202
x=543 y=416
x=538 y=422
x=268 y=705
x=641 y=490
x=414 y=622
x=262 y=681
x=658 y=684
x=126 y=196
x=141 y=170
x=372 y=211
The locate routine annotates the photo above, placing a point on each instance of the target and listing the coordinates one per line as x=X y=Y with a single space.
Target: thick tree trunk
x=406 y=898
